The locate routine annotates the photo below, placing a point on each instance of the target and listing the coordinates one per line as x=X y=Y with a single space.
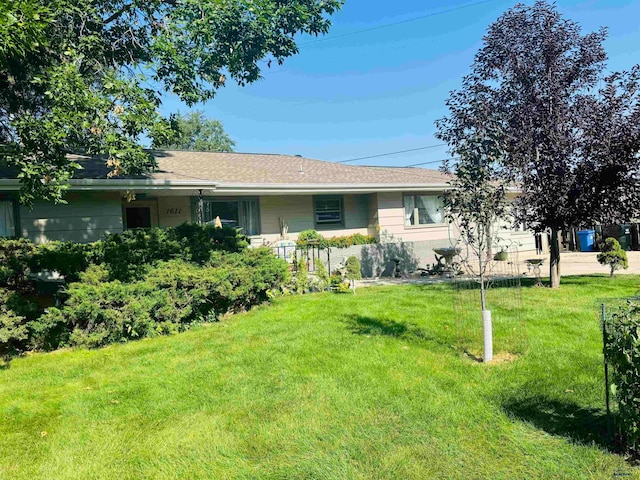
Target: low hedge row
x=312 y=236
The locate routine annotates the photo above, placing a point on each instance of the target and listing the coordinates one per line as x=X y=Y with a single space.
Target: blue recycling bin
x=587 y=239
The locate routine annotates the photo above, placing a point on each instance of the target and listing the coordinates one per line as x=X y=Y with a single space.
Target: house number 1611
x=174 y=211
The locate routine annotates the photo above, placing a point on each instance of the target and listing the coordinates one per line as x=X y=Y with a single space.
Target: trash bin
x=625 y=237
x=587 y=239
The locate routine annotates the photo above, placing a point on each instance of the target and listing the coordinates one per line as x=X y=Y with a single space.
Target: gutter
x=275 y=189
x=120 y=184
x=238 y=188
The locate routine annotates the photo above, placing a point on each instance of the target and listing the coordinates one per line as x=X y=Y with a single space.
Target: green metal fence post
x=603 y=316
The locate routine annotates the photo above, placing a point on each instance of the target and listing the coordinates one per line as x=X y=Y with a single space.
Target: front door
x=138 y=217
x=140 y=214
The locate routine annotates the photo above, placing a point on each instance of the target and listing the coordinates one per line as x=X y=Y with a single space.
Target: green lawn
x=327 y=387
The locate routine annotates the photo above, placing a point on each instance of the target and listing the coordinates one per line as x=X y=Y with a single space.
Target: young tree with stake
x=477 y=202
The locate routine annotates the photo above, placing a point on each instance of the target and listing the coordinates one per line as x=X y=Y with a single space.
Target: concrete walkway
x=571 y=263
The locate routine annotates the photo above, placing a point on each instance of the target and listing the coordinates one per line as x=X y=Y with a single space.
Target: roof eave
x=122 y=184
x=239 y=188
x=273 y=189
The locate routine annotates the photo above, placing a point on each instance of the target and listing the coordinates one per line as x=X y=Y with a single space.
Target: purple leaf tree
x=568 y=134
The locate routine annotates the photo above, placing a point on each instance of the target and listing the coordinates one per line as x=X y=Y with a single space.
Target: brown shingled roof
x=262 y=169
x=249 y=168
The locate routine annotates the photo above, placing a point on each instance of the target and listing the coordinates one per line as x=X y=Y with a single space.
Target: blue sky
x=381 y=91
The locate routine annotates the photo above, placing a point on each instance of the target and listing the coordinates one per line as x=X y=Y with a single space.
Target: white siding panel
x=86 y=218
x=356 y=211
x=296 y=210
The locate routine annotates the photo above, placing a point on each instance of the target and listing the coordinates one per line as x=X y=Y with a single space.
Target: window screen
x=328 y=210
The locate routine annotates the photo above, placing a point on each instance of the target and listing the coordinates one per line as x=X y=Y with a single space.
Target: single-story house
x=256 y=192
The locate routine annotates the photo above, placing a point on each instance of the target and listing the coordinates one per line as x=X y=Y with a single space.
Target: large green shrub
x=15 y=314
x=613 y=255
x=128 y=255
x=16 y=257
x=135 y=284
x=622 y=351
x=69 y=259
x=172 y=296
x=198 y=241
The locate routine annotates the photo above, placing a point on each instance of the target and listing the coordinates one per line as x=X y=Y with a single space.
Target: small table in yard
x=535 y=264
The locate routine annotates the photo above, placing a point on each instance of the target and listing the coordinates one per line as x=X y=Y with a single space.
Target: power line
x=432 y=162
x=401 y=22
x=386 y=25
x=393 y=153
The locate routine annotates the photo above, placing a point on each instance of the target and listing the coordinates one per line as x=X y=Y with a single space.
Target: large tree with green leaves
x=568 y=135
x=88 y=75
x=198 y=133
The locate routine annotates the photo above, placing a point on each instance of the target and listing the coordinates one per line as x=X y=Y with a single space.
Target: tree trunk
x=554 y=263
x=483 y=293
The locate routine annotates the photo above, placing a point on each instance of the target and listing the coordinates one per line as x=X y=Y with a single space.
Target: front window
x=423 y=210
x=328 y=211
x=7 y=219
x=243 y=214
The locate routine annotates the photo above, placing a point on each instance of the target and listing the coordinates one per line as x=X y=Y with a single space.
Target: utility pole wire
x=432 y=162
x=380 y=27
x=393 y=153
x=401 y=22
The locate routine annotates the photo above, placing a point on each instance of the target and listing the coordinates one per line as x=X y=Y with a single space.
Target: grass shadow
x=375 y=326
x=409 y=332
x=563 y=418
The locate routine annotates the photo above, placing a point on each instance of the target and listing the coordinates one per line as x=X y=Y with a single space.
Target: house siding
x=89 y=216
x=393 y=229
x=85 y=218
x=174 y=211
x=297 y=211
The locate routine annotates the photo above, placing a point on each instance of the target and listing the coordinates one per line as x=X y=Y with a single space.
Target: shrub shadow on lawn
x=563 y=418
x=409 y=332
